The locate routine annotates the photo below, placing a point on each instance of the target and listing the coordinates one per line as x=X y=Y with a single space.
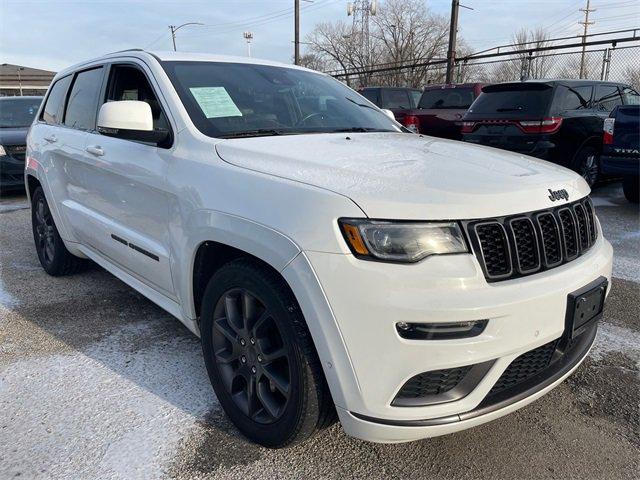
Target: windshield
x=18 y=112
x=454 y=98
x=512 y=101
x=236 y=100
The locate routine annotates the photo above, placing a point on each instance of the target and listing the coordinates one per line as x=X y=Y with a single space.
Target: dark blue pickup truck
x=621 y=148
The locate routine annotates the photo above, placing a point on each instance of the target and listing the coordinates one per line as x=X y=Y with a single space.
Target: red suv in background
x=441 y=109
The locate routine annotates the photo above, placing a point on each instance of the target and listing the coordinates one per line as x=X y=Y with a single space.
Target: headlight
x=402 y=241
x=2 y=151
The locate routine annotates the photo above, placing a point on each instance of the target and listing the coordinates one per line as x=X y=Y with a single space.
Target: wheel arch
x=219 y=238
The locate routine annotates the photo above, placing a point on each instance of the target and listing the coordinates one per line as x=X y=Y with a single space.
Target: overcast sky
x=52 y=34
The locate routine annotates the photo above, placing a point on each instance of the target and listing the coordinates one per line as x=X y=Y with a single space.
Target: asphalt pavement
x=98 y=382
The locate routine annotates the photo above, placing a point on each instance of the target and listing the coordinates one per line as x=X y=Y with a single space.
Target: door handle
x=95 y=150
x=51 y=139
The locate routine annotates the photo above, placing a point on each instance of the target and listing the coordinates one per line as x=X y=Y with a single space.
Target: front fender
x=265 y=243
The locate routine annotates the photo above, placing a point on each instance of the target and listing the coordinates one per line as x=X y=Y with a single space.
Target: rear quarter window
x=513 y=101
x=573 y=98
x=52 y=111
x=607 y=97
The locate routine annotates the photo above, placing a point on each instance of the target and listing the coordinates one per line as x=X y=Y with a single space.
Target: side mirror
x=388 y=113
x=129 y=120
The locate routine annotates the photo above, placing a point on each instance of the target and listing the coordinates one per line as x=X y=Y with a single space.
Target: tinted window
x=607 y=97
x=512 y=101
x=458 y=98
x=237 y=99
x=16 y=112
x=130 y=83
x=575 y=98
x=371 y=95
x=630 y=96
x=395 y=99
x=415 y=97
x=52 y=112
x=83 y=100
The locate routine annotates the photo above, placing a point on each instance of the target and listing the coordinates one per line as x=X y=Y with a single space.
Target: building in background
x=19 y=80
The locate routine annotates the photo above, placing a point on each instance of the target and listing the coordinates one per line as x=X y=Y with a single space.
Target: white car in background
x=330 y=261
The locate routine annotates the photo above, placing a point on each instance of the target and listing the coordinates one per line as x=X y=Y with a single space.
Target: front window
x=229 y=100
x=18 y=112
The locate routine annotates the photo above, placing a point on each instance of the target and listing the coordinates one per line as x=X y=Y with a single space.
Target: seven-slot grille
x=514 y=246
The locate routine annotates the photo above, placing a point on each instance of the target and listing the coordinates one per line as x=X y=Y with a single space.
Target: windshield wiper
x=517 y=108
x=362 y=104
x=261 y=132
x=360 y=129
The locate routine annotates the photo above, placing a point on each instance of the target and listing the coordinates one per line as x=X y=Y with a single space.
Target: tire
x=587 y=164
x=255 y=339
x=53 y=255
x=630 y=188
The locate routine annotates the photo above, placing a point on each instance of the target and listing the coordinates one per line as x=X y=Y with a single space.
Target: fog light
x=440 y=331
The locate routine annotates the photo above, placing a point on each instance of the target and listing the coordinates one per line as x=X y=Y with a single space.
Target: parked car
x=16 y=115
x=396 y=99
x=329 y=261
x=621 y=147
x=441 y=108
x=557 y=120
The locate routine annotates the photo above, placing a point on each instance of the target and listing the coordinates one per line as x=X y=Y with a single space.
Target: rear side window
x=575 y=98
x=513 y=101
x=607 y=97
x=83 y=100
x=454 y=98
x=395 y=99
x=630 y=96
x=52 y=111
x=371 y=95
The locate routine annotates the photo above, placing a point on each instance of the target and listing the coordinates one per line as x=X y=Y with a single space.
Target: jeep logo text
x=558 y=195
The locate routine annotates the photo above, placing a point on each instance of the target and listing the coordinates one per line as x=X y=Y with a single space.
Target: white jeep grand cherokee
x=330 y=261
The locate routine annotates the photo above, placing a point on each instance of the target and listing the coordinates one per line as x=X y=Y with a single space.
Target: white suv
x=329 y=260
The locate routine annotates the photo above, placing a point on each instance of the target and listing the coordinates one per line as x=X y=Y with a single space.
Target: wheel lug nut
x=260 y=358
x=243 y=359
x=243 y=342
x=254 y=369
x=253 y=341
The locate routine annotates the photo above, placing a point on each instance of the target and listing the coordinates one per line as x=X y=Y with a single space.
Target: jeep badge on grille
x=558 y=194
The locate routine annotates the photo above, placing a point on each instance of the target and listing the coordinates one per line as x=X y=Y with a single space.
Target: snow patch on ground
x=612 y=338
x=117 y=410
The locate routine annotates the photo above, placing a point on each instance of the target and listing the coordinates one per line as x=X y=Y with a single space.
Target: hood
x=406 y=176
x=13 y=136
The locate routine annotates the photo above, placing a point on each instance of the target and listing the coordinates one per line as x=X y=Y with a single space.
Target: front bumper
x=11 y=173
x=366 y=361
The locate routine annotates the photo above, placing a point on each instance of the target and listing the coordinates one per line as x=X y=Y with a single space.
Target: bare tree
x=525 y=65
x=631 y=76
x=403 y=32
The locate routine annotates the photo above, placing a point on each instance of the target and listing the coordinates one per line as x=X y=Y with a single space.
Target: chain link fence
x=619 y=64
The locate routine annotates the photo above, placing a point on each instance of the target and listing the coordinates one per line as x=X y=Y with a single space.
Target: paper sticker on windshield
x=215 y=102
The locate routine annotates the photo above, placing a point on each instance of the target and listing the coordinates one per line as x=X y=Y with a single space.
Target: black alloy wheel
x=587 y=164
x=52 y=253
x=44 y=230
x=260 y=356
x=252 y=359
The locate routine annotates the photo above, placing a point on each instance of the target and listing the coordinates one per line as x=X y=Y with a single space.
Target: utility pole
x=20 y=79
x=174 y=29
x=586 y=24
x=296 y=41
x=453 y=31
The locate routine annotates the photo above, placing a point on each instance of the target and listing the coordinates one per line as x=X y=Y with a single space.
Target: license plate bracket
x=585 y=307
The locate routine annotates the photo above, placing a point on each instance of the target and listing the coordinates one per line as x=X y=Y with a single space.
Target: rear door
x=123 y=194
x=501 y=115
